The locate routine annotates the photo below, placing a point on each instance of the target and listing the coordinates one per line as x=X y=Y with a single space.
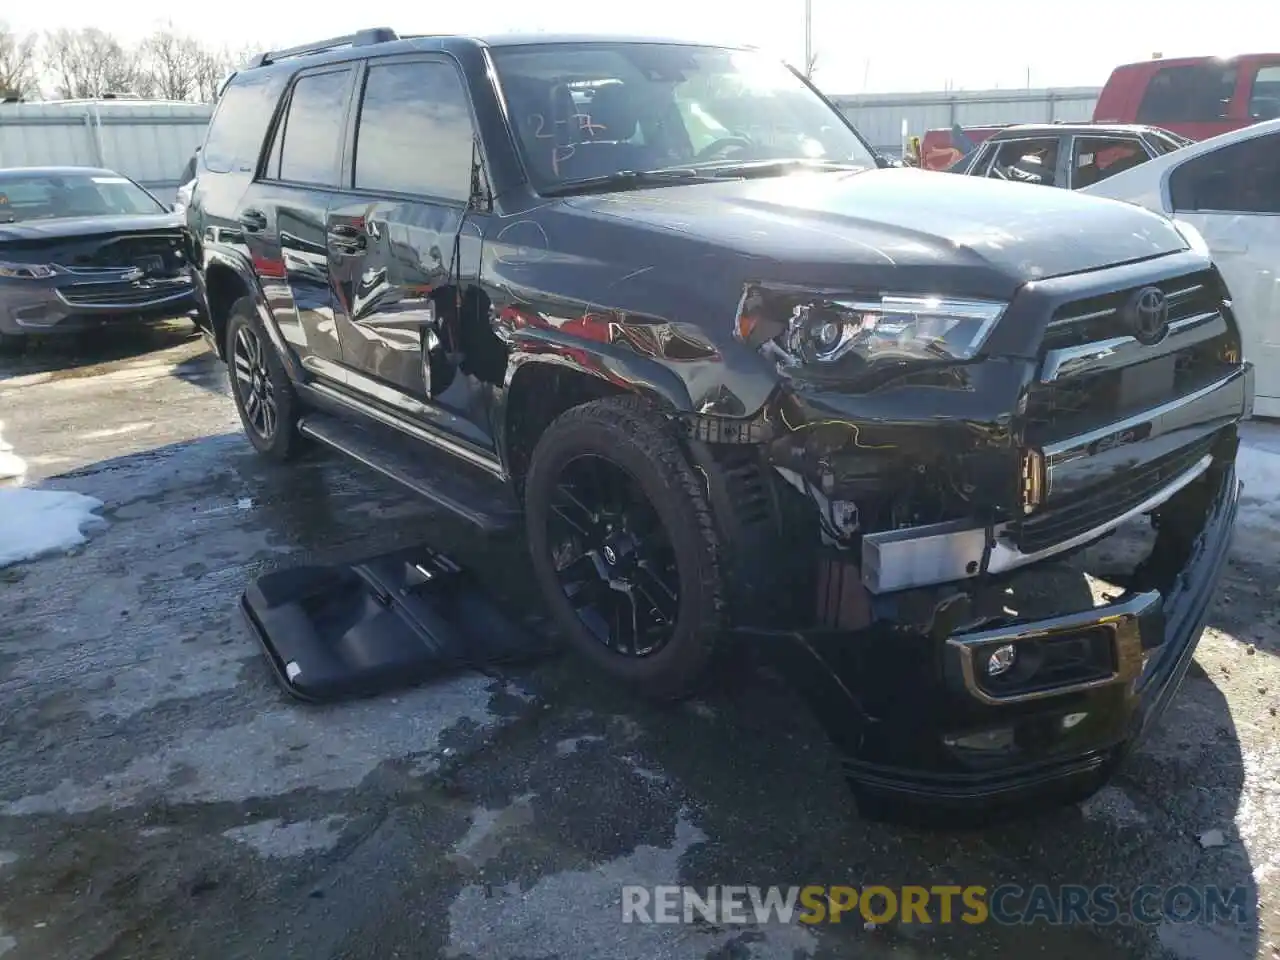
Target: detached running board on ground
x=462 y=490
x=389 y=622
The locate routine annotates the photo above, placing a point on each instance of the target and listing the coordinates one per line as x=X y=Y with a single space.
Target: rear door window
x=1264 y=100
x=1192 y=93
x=414 y=135
x=240 y=122
x=1096 y=158
x=1240 y=178
x=310 y=151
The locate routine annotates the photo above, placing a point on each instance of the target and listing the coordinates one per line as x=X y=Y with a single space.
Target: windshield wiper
x=628 y=180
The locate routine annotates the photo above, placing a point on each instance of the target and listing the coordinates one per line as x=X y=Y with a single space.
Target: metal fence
x=149 y=141
x=880 y=116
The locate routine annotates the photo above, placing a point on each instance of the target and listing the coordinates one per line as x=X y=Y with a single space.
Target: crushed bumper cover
x=909 y=713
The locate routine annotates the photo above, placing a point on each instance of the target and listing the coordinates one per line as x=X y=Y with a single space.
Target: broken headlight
x=844 y=335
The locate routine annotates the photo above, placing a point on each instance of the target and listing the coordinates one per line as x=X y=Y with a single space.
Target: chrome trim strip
x=1060 y=451
x=138 y=305
x=1099 y=314
x=473 y=457
x=947 y=552
x=1006 y=557
x=1123 y=620
x=1123 y=351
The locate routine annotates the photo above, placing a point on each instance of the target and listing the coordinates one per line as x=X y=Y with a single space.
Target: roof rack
x=362 y=38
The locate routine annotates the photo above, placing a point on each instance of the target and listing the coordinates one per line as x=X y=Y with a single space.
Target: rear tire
x=658 y=625
x=265 y=399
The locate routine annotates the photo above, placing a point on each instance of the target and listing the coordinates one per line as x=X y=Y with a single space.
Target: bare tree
x=89 y=63
x=214 y=67
x=17 y=63
x=169 y=64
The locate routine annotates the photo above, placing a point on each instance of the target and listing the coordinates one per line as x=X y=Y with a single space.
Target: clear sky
x=862 y=45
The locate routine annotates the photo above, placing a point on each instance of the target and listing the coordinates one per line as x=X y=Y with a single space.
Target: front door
x=402 y=246
x=1232 y=196
x=283 y=215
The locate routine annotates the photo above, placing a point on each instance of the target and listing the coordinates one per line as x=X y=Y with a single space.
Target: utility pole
x=808 y=38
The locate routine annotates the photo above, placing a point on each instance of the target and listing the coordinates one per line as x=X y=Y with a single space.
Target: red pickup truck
x=1197 y=97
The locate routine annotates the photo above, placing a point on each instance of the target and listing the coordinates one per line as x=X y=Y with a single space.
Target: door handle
x=253 y=221
x=347 y=240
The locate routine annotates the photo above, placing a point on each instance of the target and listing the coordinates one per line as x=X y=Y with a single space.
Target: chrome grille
x=1081 y=514
x=1097 y=318
x=1093 y=372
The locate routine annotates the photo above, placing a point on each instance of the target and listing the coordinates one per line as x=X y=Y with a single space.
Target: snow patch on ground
x=35 y=523
x=275 y=839
x=1258 y=465
x=11 y=465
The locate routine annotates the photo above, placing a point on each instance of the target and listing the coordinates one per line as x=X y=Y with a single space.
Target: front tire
x=624 y=547
x=264 y=396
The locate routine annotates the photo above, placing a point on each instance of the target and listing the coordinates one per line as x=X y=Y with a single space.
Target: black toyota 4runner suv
x=660 y=303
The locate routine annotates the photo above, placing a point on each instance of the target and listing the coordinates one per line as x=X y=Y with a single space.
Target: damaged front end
x=953 y=479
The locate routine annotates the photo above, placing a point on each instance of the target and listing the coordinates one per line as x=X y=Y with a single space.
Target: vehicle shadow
x=92 y=348
x=752 y=763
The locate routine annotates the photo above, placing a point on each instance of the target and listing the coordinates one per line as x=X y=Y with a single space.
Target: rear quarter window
x=240 y=122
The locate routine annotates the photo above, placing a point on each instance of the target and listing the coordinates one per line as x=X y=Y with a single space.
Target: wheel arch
x=227 y=280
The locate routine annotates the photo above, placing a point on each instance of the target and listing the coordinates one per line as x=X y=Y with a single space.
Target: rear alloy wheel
x=624 y=547
x=265 y=398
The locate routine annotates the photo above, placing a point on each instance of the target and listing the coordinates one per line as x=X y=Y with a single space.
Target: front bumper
x=908 y=711
x=62 y=305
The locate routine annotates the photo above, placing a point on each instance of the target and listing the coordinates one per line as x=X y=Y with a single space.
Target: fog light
x=1001 y=660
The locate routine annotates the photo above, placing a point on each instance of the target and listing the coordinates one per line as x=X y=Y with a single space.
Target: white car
x=1228 y=189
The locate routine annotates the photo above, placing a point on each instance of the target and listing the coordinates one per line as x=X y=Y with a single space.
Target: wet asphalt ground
x=159 y=797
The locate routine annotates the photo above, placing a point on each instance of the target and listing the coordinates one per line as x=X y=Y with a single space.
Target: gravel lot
x=160 y=798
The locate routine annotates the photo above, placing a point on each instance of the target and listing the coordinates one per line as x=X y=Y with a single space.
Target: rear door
x=1232 y=196
x=401 y=246
x=283 y=216
x=1093 y=159
x=1193 y=99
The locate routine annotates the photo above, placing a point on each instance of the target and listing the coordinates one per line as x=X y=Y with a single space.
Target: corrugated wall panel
x=880 y=116
x=149 y=141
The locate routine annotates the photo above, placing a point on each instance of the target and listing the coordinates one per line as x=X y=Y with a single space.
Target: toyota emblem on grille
x=1147 y=315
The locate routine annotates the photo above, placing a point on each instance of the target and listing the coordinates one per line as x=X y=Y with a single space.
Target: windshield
x=43 y=196
x=583 y=110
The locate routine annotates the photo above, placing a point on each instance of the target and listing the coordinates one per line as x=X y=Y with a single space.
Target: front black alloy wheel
x=624 y=546
x=613 y=558
x=264 y=397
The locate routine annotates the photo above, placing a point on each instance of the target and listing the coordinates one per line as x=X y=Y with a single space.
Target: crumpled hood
x=63 y=228
x=833 y=226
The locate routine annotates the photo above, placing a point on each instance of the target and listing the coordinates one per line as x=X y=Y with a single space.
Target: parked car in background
x=1193 y=97
x=739 y=383
x=1228 y=189
x=1065 y=155
x=81 y=246
x=1197 y=97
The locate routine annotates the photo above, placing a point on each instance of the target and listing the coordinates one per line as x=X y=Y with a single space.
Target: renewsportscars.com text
x=1007 y=904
